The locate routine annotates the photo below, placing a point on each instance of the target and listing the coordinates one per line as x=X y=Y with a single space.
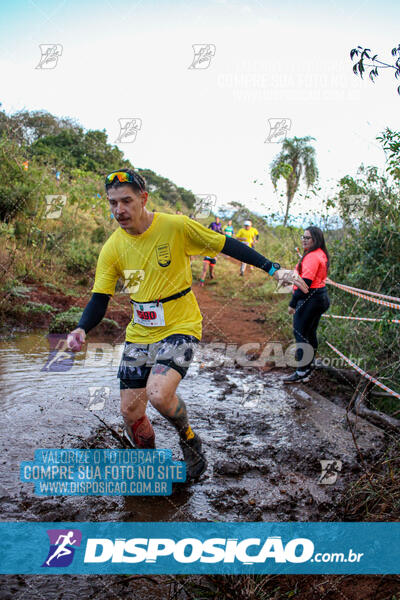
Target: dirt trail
x=228 y=320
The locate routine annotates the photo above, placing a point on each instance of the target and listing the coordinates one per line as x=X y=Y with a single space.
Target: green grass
x=66 y=321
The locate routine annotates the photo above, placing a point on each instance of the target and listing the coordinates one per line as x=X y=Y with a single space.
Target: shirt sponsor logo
x=163 y=255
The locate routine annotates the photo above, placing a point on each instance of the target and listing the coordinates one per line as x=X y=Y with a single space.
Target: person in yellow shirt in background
x=245 y=235
x=255 y=238
x=151 y=253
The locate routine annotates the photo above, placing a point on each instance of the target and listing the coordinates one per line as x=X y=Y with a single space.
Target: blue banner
x=195 y=548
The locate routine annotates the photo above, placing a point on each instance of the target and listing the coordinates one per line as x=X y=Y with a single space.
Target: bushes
x=80 y=257
x=99 y=235
x=21 y=191
x=367 y=256
x=66 y=321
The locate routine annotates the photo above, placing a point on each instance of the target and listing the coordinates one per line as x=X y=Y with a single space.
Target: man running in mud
x=154 y=249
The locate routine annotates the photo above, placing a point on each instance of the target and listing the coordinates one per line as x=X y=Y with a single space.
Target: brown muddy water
x=264 y=442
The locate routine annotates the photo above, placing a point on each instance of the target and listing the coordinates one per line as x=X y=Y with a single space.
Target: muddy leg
x=138 y=427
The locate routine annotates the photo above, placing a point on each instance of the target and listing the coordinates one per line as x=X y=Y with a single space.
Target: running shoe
x=194 y=458
x=298 y=377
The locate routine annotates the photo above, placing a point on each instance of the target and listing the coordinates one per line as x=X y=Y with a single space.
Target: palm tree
x=296 y=159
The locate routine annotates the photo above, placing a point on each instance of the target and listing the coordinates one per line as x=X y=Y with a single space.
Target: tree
x=75 y=149
x=295 y=160
x=376 y=65
x=166 y=190
x=27 y=127
x=390 y=141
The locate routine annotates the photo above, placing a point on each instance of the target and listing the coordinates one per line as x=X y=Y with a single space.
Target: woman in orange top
x=308 y=308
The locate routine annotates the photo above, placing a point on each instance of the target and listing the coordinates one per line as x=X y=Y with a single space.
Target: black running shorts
x=175 y=351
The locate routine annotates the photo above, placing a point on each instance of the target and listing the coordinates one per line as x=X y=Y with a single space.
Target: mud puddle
x=264 y=441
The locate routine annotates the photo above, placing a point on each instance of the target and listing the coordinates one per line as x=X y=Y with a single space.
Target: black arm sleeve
x=94 y=311
x=299 y=295
x=245 y=254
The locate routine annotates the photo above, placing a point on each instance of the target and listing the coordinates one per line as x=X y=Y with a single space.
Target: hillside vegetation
x=41 y=156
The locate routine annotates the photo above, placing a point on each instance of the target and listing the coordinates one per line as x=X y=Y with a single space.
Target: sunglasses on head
x=124 y=177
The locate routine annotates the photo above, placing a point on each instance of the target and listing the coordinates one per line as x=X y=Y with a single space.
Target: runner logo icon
x=62 y=547
x=133 y=277
x=60 y=358
x=203 y=53
x=278 y=130
x=204 y=205
x=128 y=129
x=329 y=471
x=50 y=53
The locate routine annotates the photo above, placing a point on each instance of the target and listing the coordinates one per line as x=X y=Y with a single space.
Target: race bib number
x=149 y=314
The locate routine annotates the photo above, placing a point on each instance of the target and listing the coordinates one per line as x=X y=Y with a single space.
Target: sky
x=209 y=129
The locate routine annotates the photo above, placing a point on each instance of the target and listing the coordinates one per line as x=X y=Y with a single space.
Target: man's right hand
x=76 y=339
x=288 y=277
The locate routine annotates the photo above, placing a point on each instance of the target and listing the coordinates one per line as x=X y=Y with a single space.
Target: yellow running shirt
x=247 y=234
x=160 y=260
x=255 y=233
